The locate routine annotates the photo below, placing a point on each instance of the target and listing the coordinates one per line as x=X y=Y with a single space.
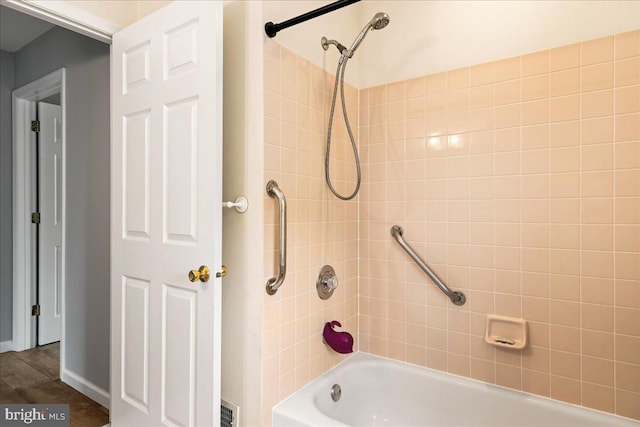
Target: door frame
x=64 y=14
x=24 y=100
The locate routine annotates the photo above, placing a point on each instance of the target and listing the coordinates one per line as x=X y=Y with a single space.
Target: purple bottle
x=342 y=342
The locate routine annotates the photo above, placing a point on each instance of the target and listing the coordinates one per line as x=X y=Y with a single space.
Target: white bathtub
x=382 y=392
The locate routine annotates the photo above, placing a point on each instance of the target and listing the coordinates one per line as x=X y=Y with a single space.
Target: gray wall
x=87 y=227
x=6 y=207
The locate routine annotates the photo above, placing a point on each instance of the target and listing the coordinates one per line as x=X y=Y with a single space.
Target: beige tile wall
x=518 y=181
x=320 y=229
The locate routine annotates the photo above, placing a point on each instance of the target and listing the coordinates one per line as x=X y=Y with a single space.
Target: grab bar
x=456 y=297
x=275 y=282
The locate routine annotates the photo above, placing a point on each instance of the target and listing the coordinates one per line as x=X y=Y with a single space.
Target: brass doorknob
x=222 y=273
x=201 y=274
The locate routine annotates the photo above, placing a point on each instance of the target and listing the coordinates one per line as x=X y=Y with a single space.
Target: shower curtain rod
x=272 y=29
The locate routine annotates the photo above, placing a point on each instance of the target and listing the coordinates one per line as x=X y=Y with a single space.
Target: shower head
x=378 y=22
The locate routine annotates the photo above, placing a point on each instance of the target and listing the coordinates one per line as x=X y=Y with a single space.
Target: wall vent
x=229 y=414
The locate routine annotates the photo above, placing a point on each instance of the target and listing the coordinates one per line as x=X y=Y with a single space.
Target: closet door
x=50 y=227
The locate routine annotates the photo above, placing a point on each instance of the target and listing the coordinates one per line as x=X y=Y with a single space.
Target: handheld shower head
x=378 y=22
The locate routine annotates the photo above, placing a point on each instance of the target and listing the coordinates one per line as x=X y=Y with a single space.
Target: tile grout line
x=613 y=252
x=549 y=222
x=580 y=240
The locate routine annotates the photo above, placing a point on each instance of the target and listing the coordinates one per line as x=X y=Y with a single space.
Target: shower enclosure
x=509 y=160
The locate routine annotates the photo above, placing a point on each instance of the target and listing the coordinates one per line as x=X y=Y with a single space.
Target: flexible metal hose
x=342 y=65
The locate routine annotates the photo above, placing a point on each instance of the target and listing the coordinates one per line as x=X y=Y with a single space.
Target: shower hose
x=342 y=65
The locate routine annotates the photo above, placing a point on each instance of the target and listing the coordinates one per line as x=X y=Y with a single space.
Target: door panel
x=136 y=168
x=179 y=348
x=166 y=217
x=135 y=343
x=50 y=228
x=181 y=167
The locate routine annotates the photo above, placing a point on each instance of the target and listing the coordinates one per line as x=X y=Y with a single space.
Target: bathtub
x=382 y=392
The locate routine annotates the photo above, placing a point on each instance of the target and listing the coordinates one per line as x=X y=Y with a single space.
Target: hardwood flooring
x=32 y=376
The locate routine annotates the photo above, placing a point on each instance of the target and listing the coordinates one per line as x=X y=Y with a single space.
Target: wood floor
x=32 y=376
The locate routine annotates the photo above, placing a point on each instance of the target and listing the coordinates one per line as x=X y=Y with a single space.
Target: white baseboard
x=6 y=346
x=86 y=387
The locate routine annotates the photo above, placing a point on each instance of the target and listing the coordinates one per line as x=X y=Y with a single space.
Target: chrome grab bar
x=456 y=297
x=275 y=282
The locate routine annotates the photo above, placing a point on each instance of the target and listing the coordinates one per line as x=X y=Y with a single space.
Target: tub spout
x=342 y=342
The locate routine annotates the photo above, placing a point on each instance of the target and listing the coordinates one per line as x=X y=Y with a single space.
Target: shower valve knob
x=330 y=282
x=327 y=282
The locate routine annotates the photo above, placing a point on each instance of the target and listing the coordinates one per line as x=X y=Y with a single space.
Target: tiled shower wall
x=321 y=230
x=518 y=181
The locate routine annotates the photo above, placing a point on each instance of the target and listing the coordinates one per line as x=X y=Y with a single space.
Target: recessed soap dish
x=506 y=332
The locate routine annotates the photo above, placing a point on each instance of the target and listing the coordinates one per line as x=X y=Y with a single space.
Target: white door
x=166 y=201
x=50 y=228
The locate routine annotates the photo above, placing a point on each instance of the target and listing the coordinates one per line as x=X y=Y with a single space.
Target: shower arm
x=272 y=29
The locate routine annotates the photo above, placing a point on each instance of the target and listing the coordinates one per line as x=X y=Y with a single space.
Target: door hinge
x=35 y=310
x=35 y=218
x=35 y=126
